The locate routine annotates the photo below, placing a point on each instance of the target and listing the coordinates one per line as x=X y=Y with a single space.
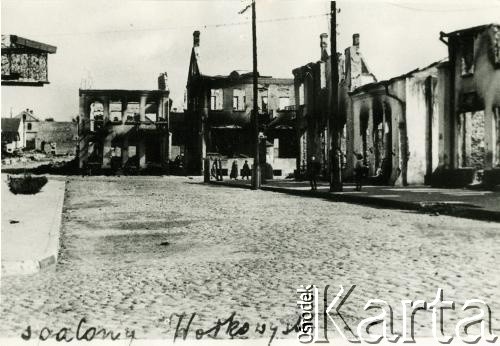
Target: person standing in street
x=246 y=170
x=360 y=171
x=234 y=171
x=314 y=168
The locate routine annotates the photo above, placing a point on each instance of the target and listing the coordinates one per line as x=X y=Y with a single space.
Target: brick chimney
x=355 y=40
x=196 y=38
x=324 y=46
x=163 y=81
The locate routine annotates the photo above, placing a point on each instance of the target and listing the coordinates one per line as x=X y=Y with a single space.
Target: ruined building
x=125 y=129
x=436 y=125
x=395 y=125
x=471 y=140
x=24 y=61
x=49 y=136
x=313 y=99
x=219 y=112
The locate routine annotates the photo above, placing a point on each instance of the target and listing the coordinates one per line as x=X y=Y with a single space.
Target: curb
x=28 y=266
x=462 y=212
x=33 y=266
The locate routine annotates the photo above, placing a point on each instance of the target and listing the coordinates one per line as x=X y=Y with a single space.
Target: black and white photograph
x=250 y=172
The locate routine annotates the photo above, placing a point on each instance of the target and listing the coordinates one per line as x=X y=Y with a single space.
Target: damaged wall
x=476 y=86
x=62 y=133
x=398 y=125
x=313 y=85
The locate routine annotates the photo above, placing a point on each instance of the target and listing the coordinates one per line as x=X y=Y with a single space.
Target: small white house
x=12 y=134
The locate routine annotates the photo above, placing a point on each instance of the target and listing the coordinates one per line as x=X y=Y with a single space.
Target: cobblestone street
x=134 y=250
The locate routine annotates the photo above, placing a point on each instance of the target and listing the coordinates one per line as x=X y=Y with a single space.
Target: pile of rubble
x=32 y=157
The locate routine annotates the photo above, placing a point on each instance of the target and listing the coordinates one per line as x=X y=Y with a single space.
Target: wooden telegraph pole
x=334 y=126
x=256 y=160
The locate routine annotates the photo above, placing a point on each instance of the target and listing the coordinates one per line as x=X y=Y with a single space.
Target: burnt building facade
x=313 y=98
x=124 y=129
x=218 y=117
x=397 y=125
x=437 y=125
x=472 y=145
x=24 y=61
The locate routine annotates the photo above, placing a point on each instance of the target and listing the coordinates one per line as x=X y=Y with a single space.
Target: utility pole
x=256 y=160
x=334 y=128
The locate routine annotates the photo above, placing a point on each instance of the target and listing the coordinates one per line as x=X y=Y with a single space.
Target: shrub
x=27 y=184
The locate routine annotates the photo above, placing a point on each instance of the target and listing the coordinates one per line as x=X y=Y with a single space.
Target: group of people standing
x=313 y=171
x=245 y=172
x=216 y=170
x=360 y=172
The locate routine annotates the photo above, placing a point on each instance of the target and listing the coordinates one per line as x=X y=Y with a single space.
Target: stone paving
x=460 y=197
x=134 y=250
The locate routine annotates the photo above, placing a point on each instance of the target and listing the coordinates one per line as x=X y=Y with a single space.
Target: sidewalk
x=30 y=228
x=472 y=204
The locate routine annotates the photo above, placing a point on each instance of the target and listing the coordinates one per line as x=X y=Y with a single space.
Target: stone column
x=142 y=108
x=370 y=143
x=125 y=151
x=356 y=141
x=169 y=146
x=83 y=128
x=105 y=106
x=461 y=155
x=490 y=136
x=496 y=161
x=467 y=139
x=276 y=149
x=395 y=133
x=163 y=108
x=106 y=148
x=386 y=150
x=457 y=140
x=164 y=154
x=124 y=110
x=106 y=151
x=302 y=159
x=141 y=153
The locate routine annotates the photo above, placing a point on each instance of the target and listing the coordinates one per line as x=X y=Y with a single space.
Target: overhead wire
x=204 y=26
x=440 y=10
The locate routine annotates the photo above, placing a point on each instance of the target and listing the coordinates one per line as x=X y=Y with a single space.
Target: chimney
x=196 y=38
x=355 y=40
x=163 y=81
x=324 y=46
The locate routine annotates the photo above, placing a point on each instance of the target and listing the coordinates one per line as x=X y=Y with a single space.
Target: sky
x=125 y=44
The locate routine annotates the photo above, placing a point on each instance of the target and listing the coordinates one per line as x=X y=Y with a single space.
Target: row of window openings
x=116 y=115
x=239 y=102
x=114 y=151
